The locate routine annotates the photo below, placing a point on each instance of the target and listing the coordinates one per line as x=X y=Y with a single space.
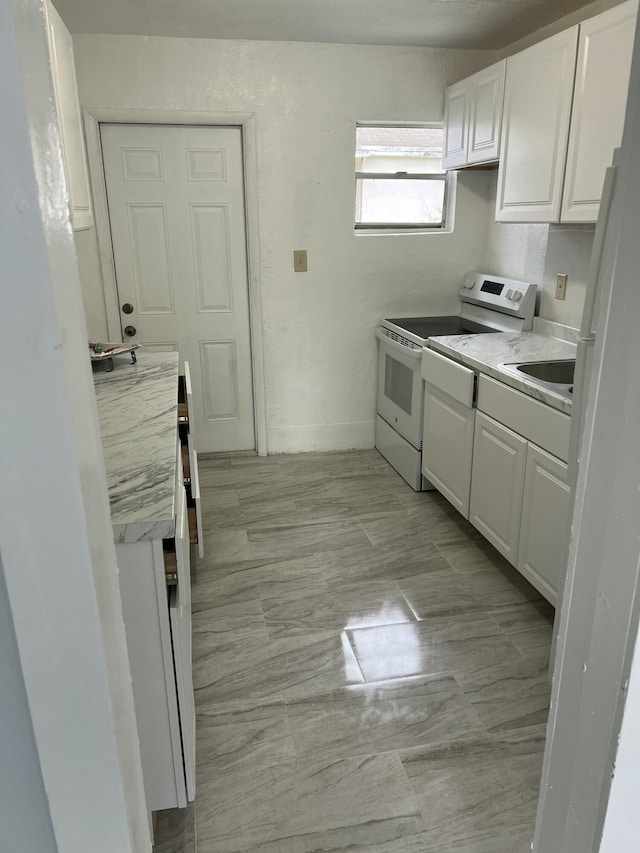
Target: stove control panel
x=506 y=295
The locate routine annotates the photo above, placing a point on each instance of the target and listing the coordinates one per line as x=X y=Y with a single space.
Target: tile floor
x=369 y=674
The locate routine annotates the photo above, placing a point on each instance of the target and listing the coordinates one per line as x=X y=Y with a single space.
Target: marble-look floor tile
x=225 y=546
x=290 y=667
x=437 y=645
x=215 y=499
x=478 y=789
x=300 y=807
x=314 y=508
x=175 y=831
x=516 y=839
x=252 y=579
x=304 y=539
x=338 y=465
x=296 y=752
x=470 y=557
x=232 y=736
x=433 y=524
x=237 y=475
x=365 y=562
x=376 y=485
x=269 y=490
x=260 y=514
x=347 y=606
x=529 y=627
x=437 y=593
x=537 y=615
x=226 y=620
x=508 y=695
x=383 y=717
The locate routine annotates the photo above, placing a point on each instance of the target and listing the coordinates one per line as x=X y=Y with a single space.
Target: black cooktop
x=428 y=327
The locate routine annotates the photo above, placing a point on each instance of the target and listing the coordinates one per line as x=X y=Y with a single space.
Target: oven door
x=400 y=388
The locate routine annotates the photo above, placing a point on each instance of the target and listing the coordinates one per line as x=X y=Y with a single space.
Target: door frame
x=246 y=121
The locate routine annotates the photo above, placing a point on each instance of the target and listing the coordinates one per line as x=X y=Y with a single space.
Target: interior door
x=176 y=208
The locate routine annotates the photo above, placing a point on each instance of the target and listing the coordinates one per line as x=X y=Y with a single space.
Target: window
x=400 y=182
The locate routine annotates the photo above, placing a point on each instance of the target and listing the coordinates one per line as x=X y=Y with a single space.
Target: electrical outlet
x=561 y=286
x=300 y=260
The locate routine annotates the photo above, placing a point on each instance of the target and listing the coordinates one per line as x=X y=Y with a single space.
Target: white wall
x=56 y=541
x=318 y=327
x=537 y=253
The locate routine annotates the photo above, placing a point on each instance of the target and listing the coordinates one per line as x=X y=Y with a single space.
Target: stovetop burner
x=429 y=327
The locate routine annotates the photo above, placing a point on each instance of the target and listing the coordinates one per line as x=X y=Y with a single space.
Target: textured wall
x=319 y=348
x=537 y=253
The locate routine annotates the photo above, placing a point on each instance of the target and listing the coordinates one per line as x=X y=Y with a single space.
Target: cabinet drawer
x=537 y=422
x=457 y=381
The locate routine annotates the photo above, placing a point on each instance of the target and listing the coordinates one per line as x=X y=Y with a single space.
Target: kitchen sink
x=556 y=375
x=557 y=372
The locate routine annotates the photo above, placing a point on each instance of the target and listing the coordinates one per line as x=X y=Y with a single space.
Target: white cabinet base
x=497 y=482
x=545 y=520
x=448 y=446
x=146 y=617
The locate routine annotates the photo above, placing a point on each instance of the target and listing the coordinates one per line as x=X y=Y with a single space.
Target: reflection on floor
x=369 y=674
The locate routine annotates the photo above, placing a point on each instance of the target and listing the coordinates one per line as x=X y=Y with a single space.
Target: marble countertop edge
x=485 y=353
x=138 y=411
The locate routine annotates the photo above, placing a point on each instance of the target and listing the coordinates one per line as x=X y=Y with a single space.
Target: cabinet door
x=180 y=616
x=456 y=104
x=599 y=104
x=447 y=446
x=535 y=130
x=545 y=520
x=497 y=480
x=66 y=92
x=485 y=113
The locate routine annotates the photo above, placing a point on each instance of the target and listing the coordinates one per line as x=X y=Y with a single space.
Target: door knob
x=127 y=308
x=129 y=331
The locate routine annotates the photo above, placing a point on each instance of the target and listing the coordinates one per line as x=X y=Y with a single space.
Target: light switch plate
x=561 y=286
x=300 y=260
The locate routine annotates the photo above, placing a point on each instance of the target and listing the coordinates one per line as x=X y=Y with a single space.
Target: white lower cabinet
x=447 y=427
x=497 y=482
x=545 y=519
x=447 y=446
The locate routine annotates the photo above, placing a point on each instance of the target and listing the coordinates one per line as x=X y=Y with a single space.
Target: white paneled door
x=176 y=208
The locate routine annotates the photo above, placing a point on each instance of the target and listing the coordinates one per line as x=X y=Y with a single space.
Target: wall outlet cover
x=300 y=260
x=561 y=286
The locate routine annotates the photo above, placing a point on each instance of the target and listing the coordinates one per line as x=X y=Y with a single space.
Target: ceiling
x=488 y=24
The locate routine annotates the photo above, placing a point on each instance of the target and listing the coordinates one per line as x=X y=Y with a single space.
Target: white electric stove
x=489 y=304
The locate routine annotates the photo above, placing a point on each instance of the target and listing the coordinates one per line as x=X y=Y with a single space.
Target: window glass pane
x=399 y=149
x=398 y=383
x=400 y=201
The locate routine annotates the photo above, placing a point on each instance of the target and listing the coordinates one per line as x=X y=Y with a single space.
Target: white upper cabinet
x=599 y=104
x=473 y=117
x=66 y=92
x=456 y=125
x=535 y=130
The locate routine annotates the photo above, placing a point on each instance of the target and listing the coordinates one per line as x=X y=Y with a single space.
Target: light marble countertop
x=138 y=409
x=486 y=352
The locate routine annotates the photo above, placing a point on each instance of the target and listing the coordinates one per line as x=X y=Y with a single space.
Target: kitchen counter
x=138 y=410
x=486 y=352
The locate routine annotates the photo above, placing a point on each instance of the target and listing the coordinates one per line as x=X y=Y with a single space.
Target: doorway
x=176 y=208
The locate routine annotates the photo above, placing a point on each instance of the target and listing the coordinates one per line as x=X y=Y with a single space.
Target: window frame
x=442 y=177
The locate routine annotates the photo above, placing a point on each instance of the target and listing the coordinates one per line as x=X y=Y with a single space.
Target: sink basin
x=556 y=375
x=560 y=372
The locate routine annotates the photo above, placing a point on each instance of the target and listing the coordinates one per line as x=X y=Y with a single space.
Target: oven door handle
x=394 y=345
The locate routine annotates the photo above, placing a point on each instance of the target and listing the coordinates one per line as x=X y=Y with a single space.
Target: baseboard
x=304 y=438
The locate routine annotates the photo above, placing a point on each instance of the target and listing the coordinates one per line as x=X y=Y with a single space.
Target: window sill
x=400 y=232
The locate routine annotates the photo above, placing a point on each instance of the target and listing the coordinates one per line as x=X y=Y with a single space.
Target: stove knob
x=517 y=296
x=509 y=294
